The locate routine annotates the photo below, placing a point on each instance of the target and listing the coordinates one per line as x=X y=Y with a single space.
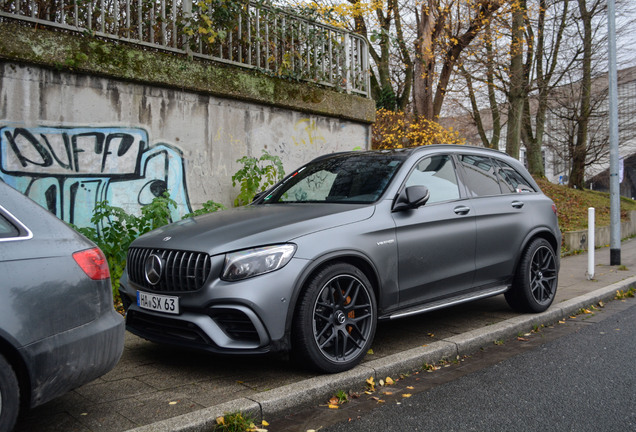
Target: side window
x=7 y=230
x=512 y=181
x=437 y=173
x=481 y=175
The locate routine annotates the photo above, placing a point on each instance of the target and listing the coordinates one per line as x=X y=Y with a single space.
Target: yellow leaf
x=370 y=352
x=389 y=381
x=173 y=403
x=264 y=423
x=220 y=420
x=381 y=382
x=332 y=406
x=410 y=387
x=406 y=395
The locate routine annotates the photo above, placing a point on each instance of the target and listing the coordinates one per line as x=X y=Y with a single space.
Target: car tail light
x=93 y=262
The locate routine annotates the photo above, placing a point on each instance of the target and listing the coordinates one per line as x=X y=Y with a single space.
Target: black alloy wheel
x=536 y=280
x=336 y=319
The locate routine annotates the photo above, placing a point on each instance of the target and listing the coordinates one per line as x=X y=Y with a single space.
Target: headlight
x=253 y=262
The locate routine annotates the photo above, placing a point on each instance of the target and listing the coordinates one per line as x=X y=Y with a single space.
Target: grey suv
x=342 y=242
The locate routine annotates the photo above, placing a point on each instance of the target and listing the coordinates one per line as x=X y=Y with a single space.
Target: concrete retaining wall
x=575 y=240
x=68 y=140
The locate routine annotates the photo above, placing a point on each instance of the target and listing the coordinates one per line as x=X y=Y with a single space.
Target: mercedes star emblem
x=153 y=267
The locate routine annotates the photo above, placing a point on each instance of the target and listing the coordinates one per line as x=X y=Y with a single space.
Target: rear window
x=7 y=229
x=481 y=175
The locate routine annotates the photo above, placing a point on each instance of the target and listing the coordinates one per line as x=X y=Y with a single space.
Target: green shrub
x=256 y=176
x=114 y=230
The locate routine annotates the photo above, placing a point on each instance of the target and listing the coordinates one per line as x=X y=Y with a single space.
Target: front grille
x=182 y=271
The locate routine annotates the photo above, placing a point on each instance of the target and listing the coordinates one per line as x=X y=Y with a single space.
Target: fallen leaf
x=406 y=395
x=332 y=406
x=562 y=322
x=431 y=335
x=521 y=339
x=264 y=423
x=84 y=414
x=173 y=403
x=410 y=387
x=370 y=352
x=389 y=381
x=388 y=393
x=220 y=420
x=333 y=401
x=381 y=383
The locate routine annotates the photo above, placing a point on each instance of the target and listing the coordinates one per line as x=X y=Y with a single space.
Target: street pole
x=615 y=204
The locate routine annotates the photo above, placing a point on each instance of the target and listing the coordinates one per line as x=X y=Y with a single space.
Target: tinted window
x=7 y=230
x=512 y=181
x=481 y=176
x=437 y=173
x=357 y=178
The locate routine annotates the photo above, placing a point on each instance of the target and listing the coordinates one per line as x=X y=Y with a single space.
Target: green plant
x=114 y=230
x=235 y=422
x=622 y=295
x=256 y=175
x=342 y=396
x=207 y=207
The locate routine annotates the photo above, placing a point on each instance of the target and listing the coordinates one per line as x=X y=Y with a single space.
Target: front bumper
x=67 y=360
x=246 y=317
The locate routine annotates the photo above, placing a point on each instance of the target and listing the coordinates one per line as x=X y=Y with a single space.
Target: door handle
x=518 y=204
x=461 y=210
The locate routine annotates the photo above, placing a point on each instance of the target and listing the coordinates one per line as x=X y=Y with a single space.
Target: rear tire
x=9 y=396
x=535 y=282
x=335 y=320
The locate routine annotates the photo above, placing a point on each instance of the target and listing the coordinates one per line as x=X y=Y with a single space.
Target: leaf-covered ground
x=572 y=205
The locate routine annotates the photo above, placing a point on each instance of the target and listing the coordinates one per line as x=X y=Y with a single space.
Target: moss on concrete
x=90 y=55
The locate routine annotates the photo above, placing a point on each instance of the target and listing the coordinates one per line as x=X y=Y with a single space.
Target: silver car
x=58 y=326
x=344 y=241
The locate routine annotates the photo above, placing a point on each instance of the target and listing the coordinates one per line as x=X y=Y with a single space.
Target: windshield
x=346 y=178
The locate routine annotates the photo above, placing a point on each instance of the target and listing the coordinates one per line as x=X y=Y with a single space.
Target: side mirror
x=411 y=197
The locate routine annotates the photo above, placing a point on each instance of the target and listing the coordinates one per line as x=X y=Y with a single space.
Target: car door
x=500 y=214
x=436 y=242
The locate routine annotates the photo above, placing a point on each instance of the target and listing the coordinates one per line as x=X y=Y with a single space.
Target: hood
x=252 y=226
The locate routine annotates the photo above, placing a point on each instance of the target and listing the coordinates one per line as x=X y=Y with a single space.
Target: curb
x=284 y=399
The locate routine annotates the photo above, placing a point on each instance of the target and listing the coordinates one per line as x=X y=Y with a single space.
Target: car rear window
x=7 y=229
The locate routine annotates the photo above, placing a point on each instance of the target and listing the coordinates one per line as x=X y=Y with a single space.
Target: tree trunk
x=516 y=91
x=579 y=153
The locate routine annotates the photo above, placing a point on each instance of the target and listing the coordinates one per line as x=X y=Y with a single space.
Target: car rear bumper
x=70 y=359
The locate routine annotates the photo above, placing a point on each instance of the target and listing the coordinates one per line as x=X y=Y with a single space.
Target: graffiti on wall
x=69 y=169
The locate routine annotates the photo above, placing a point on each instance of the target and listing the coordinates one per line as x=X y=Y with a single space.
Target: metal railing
x=258 y=36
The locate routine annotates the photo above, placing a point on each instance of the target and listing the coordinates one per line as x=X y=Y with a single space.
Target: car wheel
x=535 y=283
x=9 y=396
x=335 y=320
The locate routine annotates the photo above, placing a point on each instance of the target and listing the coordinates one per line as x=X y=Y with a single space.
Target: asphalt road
x=576 y=376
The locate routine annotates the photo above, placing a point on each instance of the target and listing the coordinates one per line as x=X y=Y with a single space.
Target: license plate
x=158 y=303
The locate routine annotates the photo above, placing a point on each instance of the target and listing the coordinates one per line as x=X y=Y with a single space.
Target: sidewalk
x=157 y=388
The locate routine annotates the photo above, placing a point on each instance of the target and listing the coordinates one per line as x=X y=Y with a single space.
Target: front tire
x=335 y=320
x=9 y=396
x=535 y=283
